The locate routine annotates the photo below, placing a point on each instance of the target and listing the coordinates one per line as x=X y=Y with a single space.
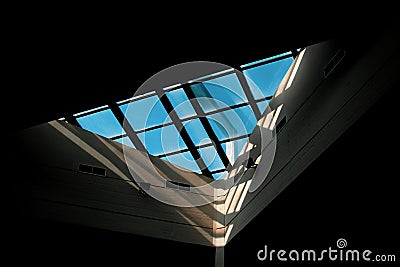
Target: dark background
x=68 y=64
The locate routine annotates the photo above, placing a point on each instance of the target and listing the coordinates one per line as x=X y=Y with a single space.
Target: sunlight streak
x=296 y=67
x=228 y=232
x=276 y=115
x=244 y=194
x=236 y=197
x=266 y=120
x=229 y=198
x=91 y=151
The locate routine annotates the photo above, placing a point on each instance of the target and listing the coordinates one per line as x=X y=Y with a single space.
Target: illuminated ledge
x=316 y=109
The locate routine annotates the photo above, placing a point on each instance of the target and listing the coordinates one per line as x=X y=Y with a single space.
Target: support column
x=219 y=256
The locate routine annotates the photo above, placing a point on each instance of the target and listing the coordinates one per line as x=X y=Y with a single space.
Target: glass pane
x=267 y=77
x=126 y=141
x=219 y=175
x=162 y=140
x=181 y=103
x=145 y=113
x=233 y=122
x=103 y=123
x=219 y=92
x=196 y=132
x=184 y=160
x=211 y=158
x=262 y=105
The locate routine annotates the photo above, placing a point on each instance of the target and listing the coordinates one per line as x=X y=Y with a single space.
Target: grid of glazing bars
x=122 y=130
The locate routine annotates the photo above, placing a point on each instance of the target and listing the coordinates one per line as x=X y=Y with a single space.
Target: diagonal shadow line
x=112 y=146
x=71 y=136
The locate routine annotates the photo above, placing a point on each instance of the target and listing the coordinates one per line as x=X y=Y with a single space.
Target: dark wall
x=351 y=191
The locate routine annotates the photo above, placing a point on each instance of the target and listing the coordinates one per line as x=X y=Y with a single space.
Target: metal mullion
x=182 y=150
x=213 y=76
x=154 y=127
x=249 y=94
x=117 y=136
x=137 y=98
x=218 y=171
x=206 y=124
x=183 y=132
x=89 y=112
x=234 y=138
x=266 y=62
x=226 y=108
x=264 y=98
x=127 y=127
x=172 y=153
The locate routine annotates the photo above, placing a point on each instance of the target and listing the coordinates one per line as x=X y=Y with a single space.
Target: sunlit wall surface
x=223 y=100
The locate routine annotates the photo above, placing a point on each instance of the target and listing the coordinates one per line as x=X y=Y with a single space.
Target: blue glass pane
x=219 y=175
x=103 y=123
x=233 y=122
x=239 y=144
x=267 y=77
x=162 y=140
x=181 y=103
x=211 y=158
x=126 y=141
x=145 y=113
x=219 y=93
x=262 y=105
x=184 y=160
x=196 y=132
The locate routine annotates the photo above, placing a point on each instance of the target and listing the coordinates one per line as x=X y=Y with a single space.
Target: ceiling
x=71 y=68
x=72 y=71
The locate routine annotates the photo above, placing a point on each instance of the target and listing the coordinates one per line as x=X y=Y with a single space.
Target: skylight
x=209 y=110
x=101 y=122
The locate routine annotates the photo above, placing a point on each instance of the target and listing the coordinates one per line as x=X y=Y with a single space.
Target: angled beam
x=294 y=53
x=72 y=120
x=249 y=94
x=183 y=132
x=206 y=124
x=266 y=62
x=119 y=115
